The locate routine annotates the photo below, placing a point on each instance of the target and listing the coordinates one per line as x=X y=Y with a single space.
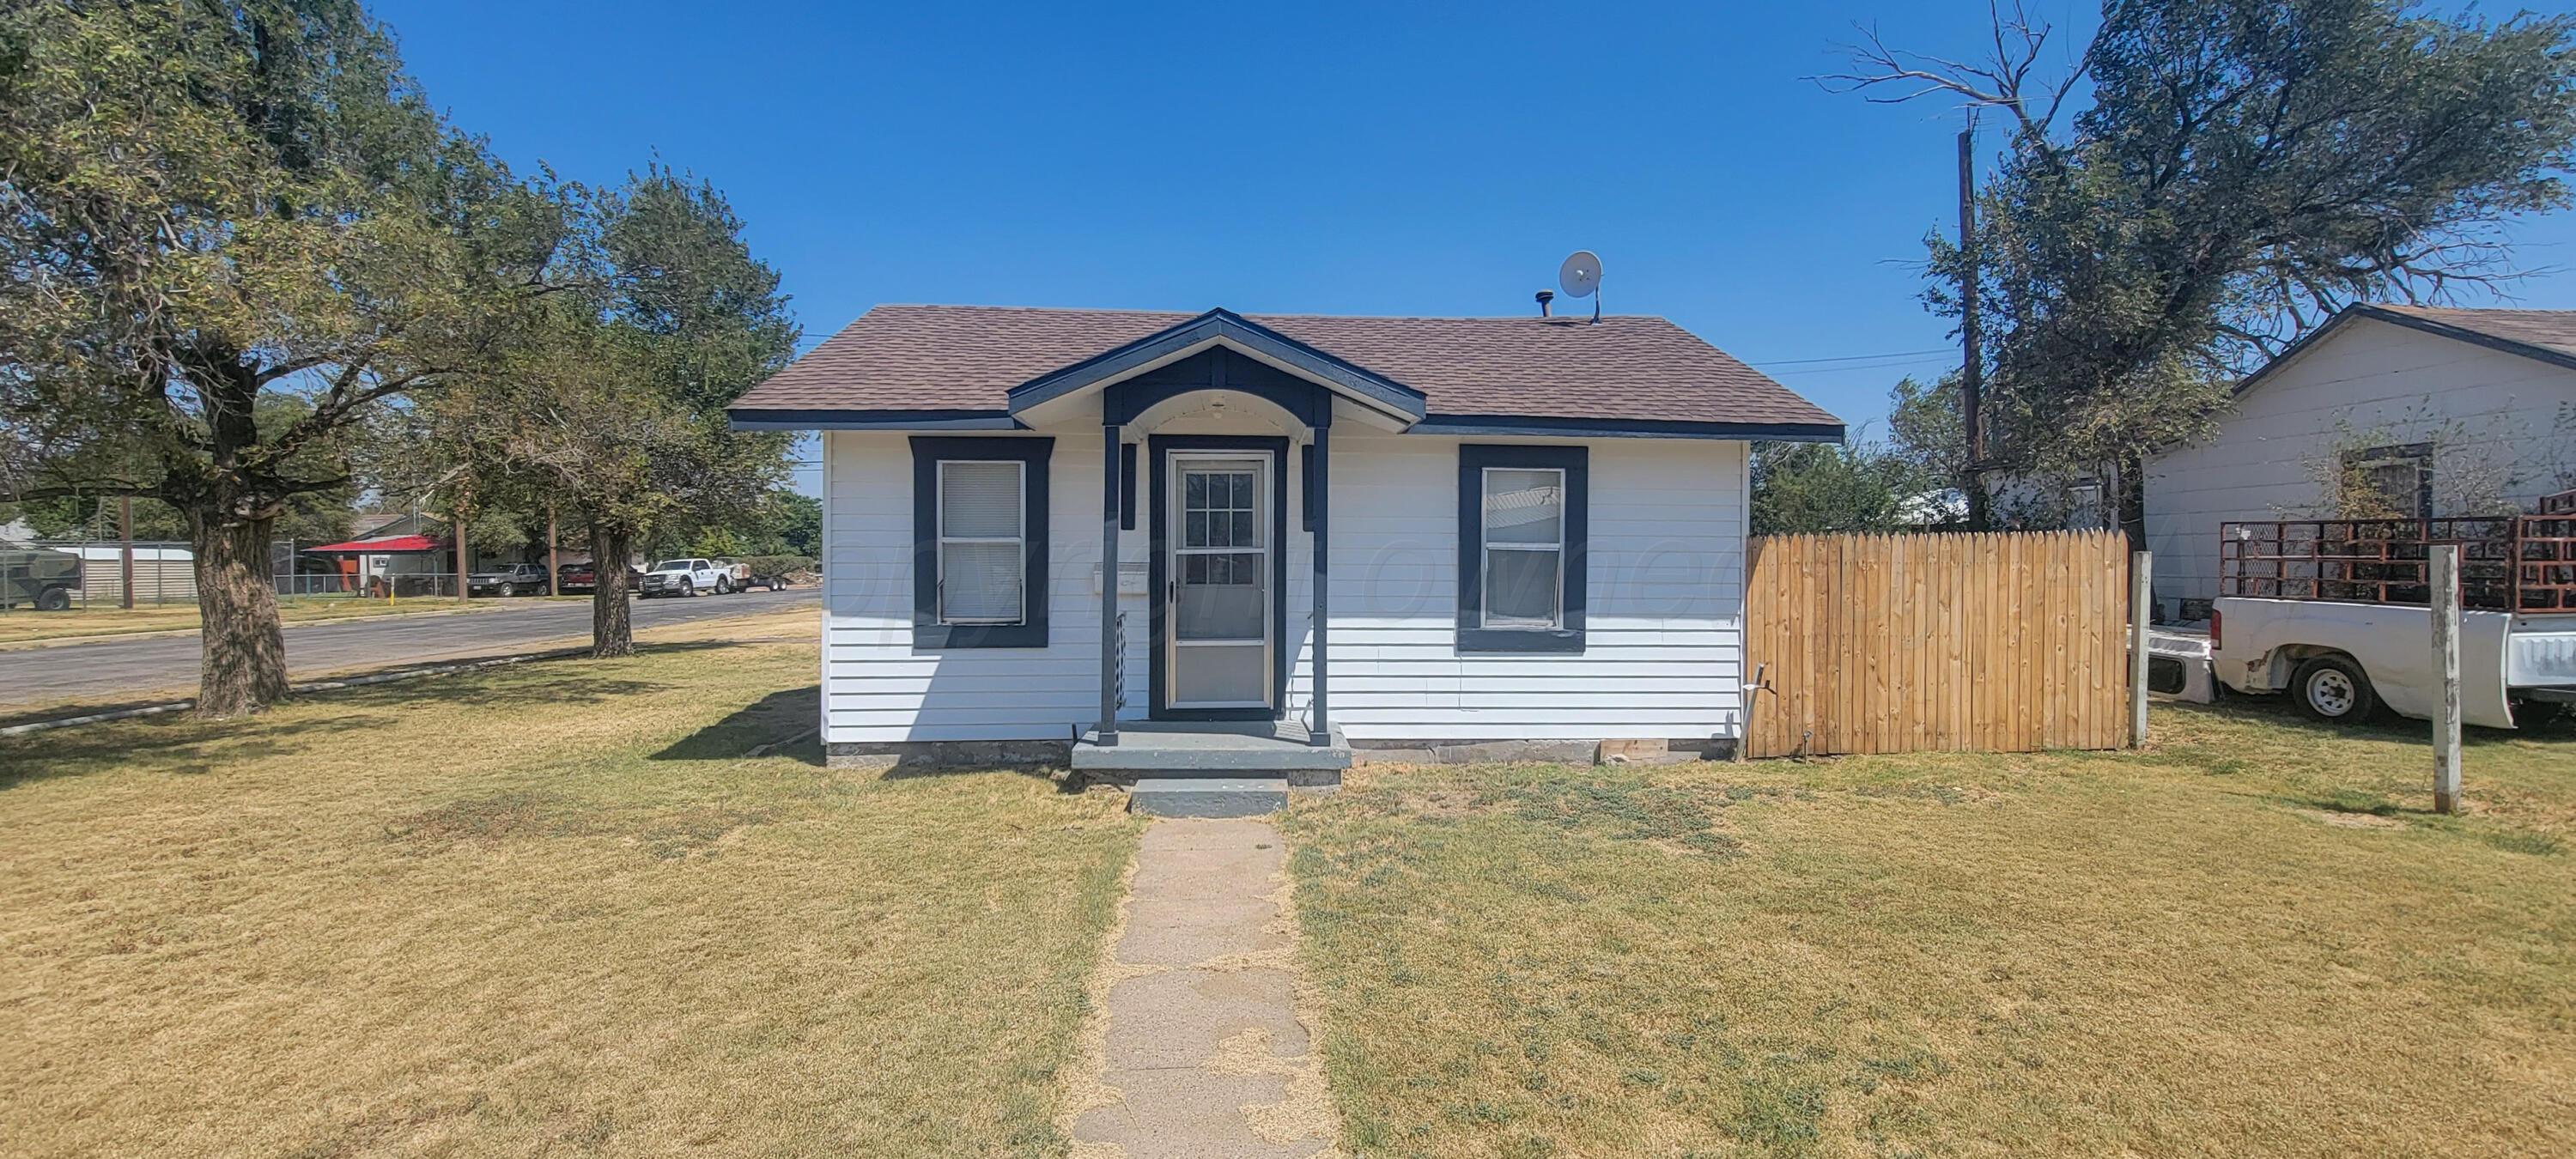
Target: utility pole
x=125 y=554
x=462 y=515
x=554 y=567
x=1972 y=384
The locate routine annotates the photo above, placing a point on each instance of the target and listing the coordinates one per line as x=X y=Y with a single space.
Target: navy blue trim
x=1473 y=459
x=1386 y=393
x=763 y=419
x=928 y=634
x=1158 y=580
x=1306 y=487
x=1126 y=486
x=1493 y=426
x=1218 y=368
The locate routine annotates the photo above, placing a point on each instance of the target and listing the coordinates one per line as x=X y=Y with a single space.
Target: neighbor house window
x=1522 y=526
x=979 y=542
x=2399 y=481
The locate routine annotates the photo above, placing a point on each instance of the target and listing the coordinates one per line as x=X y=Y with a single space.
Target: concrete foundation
x=1557 y=752
x=949 y=754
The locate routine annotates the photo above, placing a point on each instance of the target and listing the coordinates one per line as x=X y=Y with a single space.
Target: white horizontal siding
x=1665 y=596
x=2371 y=376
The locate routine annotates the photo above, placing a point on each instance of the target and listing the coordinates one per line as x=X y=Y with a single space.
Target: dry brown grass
x=542 y=910
x=24 y=625
x=2180 y=951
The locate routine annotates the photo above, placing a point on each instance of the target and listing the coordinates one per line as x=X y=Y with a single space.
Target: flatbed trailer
x=2337 y=614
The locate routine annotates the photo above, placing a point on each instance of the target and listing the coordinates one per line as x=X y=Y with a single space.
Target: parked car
x=38 y=578
x=518 y=579
x=684 y=577
x=583 y=577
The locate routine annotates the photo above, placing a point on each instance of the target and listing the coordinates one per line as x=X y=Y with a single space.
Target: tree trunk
x=244 y=653
x=612 y=621
x=2133 y=499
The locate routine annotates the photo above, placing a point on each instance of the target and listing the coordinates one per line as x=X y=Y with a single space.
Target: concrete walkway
x=1197 y=1050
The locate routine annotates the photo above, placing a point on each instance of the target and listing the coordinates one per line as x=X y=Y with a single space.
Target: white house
x=1391 y=532
x=2440 y=407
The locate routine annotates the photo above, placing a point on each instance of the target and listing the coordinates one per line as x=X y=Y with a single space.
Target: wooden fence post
x=2142 y=603
x=2446 y=660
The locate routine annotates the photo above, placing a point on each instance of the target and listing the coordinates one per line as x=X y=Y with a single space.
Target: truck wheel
x=687 y=589
x=54 y=600
x=724 y=585
x=2333 y=689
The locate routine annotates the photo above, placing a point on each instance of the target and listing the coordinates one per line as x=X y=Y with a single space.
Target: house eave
x=1462 y=425
x=766 y=419
x=2375 y=313
x=1540 y=426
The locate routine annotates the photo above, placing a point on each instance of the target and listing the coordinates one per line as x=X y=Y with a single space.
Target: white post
x=2446 y=660
x=2142 y=603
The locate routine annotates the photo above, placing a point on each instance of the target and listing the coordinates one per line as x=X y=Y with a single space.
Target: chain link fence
x=85 y=573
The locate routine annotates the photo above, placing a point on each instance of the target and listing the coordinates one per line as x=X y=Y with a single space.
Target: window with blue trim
x=979 y=532
x=1522 y=526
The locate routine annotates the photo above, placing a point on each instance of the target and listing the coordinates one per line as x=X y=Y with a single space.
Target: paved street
x=114 y=670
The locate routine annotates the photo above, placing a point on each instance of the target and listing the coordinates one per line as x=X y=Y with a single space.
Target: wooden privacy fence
x=1904 y=643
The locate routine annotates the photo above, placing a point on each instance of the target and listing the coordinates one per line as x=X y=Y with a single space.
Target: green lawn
x=547 y=910
x=555 y=910
x=2247 y=940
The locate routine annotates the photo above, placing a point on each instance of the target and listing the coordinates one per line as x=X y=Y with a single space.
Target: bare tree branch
x=2002 y=81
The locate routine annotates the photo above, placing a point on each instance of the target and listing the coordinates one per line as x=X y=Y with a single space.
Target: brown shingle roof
x=916 y=358
x=2551 y=330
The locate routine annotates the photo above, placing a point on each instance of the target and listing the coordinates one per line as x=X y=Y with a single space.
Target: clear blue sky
x=1308 y=158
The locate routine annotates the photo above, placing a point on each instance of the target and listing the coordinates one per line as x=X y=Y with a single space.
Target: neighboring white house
x=2442 y=407
x=1533 y=529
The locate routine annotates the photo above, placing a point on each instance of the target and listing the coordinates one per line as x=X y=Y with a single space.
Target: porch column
x=1111 y=641
x=1319 y=487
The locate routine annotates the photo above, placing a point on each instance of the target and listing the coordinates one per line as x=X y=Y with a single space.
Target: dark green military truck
x=37 y=578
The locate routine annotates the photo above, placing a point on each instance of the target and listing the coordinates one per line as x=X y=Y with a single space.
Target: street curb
x=37 y=726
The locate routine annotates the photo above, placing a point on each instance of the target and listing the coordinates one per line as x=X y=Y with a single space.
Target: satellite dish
x=1580 y=275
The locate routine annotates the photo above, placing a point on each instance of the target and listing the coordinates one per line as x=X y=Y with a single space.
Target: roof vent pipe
x=1545 y=297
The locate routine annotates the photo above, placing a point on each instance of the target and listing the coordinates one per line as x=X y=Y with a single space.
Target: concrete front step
x=1204 y=796
x=1170 y=751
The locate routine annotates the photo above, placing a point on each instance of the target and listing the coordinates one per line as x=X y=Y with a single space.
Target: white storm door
x=1219 y=639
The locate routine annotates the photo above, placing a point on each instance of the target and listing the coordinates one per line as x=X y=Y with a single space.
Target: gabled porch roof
x=1225 y=328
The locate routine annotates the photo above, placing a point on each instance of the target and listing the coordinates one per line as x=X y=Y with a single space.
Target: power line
x=1846 y=358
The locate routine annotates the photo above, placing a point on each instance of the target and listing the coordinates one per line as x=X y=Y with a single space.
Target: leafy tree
x=2240 y=169
x=1926 y=429
x=781 y=522
x=794 y=521
x=617 y=395
x=1820 y=487
x=209 y=205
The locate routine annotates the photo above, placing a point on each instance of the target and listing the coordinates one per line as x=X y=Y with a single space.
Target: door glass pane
x=1523 y=506
x=979 y=500
x=1520 y=586
x=1221 y=593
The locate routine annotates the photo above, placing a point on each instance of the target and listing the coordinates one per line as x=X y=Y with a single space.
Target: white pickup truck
x=684 y=577
x=2335 y=613
x=2341 y=661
